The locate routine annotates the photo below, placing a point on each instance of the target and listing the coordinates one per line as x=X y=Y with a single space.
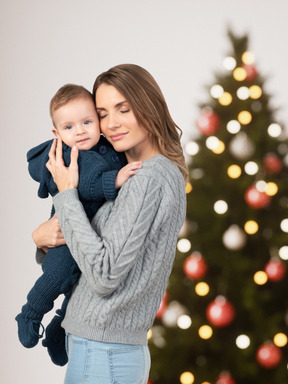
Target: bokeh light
x=187 y=378
x=248 y=58
x=242 y=341
x=225 y=99
x=274 y=130
x=239 y=74
x=255 y=92
x=280 y=339
x=191 y=148
x=260 y=278
x=233 y=126
x=183 y=245
x=184 y=321
x=229 y=63
x=251 y=168
x=202 y=288
x=245 y=117
x=216 y=91
x=205 y=332
x=234 y=171
x=251 y=227
x=220 y=207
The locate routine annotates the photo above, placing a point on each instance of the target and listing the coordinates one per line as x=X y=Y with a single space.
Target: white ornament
x=241 y=146
x=234 y=238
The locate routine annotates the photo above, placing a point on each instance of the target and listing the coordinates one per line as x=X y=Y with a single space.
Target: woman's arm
x=107 y=258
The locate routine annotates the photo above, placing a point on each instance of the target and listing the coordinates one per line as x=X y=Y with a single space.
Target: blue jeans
x=93 y=362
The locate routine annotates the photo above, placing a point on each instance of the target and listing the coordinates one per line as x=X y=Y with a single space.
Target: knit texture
x=126 y=256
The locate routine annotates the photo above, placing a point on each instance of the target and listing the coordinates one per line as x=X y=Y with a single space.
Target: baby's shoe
x=55 y=341
x=28 y=330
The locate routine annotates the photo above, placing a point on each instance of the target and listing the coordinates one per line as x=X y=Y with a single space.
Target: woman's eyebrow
x=116 y=105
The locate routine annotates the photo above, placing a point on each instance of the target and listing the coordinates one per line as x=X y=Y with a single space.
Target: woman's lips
x=118 y=136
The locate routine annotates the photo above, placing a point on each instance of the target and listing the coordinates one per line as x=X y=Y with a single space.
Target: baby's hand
x=125 y=172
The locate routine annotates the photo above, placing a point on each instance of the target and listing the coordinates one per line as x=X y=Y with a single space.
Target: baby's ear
x=55 y=132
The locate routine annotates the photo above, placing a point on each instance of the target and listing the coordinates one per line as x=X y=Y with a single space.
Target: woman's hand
x=48 y=234
x=64 y=177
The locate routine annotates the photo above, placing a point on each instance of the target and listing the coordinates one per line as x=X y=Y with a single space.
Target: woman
x=126 y=253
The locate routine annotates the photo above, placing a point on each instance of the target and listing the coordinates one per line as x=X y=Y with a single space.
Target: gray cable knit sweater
x=125 y=255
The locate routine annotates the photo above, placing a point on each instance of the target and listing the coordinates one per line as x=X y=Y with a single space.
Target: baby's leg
x=60 y=272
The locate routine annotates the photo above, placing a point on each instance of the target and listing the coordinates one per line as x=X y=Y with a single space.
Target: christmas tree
x=224 y=316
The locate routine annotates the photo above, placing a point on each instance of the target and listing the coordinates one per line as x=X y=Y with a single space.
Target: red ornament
x=256 y=199
x=220 y=312
x=149 y=381
x=225 y=378
x=251 y=72
x=195 y=266
x=275 y=270
x=268 y=355
x=272 y=164
x=208 y=122
x=163 y=306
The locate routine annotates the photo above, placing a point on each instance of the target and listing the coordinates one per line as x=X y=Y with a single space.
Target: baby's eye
x=68 y=127
x=86 y=122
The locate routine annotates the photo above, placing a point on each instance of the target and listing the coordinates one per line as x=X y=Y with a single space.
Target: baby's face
x=77 y=123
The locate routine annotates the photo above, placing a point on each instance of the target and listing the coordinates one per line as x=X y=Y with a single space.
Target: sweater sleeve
x=107 y=259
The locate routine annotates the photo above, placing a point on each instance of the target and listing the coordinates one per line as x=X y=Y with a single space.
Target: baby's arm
x=125 y=172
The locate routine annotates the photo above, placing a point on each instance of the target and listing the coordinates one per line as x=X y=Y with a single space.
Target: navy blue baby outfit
x=98 y=168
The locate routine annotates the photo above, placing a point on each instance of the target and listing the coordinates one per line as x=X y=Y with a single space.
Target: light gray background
x=47 y=44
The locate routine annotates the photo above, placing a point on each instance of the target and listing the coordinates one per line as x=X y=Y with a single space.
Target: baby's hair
x=68 y=93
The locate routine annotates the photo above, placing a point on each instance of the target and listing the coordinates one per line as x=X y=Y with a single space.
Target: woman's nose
x=112 y=121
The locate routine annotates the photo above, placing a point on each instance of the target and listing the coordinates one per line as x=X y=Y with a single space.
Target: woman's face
x=119 y=125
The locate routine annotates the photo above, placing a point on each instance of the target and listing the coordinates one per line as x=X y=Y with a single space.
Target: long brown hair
x=149 y=107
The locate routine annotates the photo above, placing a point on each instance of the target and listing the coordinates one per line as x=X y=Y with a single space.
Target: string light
x=225 y=99
x=280 y=339
x=149 y=334
x=188 y=188
x=216 y=91
x=251 y=227
x=284 y=225
x=283 y=252
x=239 y=74
x=242 y=341
x=184 y=321
x=251 y=168
x=183 y=245
x=260 y=278
x=229 y=63
x=245 y=117
x=187 y=378
x=274 y=130
x=233 y=126
x=205 y=332
x=234 y=171
x=255 y=92
x=271 y=189
x=191 y=148
x=202 y=288
x=243 y=93
x=220 y=207
x=220 y=148
x=248 y=58
x=212 y=142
